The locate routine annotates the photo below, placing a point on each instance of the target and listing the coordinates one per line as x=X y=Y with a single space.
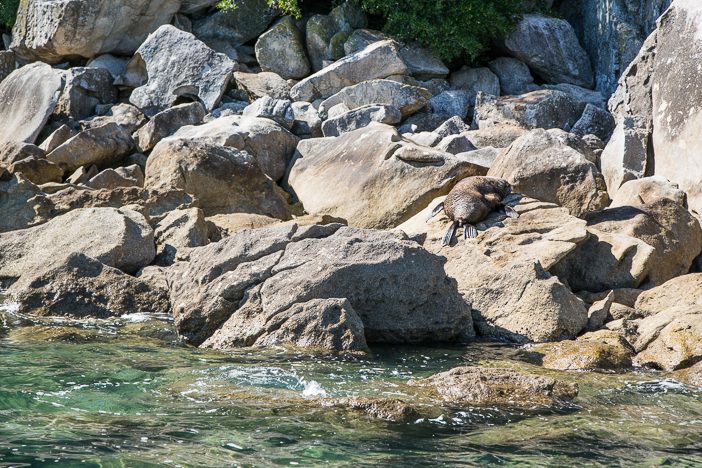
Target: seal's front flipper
x=469 y=231
x=510 y=212
x=448 y=237
x=437 y=209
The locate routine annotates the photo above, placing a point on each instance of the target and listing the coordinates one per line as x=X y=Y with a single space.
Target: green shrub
x=8 y=13
x=452 y=28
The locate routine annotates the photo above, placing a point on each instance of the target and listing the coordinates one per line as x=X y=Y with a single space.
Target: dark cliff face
x=612 y=32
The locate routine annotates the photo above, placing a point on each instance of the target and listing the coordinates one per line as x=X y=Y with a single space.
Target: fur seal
x=471 y=201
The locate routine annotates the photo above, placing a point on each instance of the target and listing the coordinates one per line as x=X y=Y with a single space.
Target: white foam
x=313 y=389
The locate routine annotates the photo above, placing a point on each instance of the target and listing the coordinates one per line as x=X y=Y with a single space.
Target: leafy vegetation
x=452 y=28
x=8 y=13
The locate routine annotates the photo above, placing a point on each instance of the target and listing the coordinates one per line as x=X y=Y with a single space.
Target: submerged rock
x=501 y=387
x=387 y=409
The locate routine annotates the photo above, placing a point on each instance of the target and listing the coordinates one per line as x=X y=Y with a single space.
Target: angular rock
x=85 y=89
x=33 y=92
x=626 y=156
x=307 y=121
x=38 y=170
x=360 y=118
x=57 y=138
x=598 y=312
x=22 y=203
x=258 y=85
x=595 y=121
x=281 y=50
x=131 y=176
x=582 y=95
x=671 y=339
x=498 y=387
x=422 y=64
x=456 y=144
x=272 y=145
x=378 y=60
x=377 y=184
x=171 y=64
x=114 y=65
x=53 y=31
x=278 y=110
x=539 y=165
x=499 y=136
x=179 y=230
x=82 y=287
x=600 y=350
x=409 y=99
x=166 y=123
x=326 y=34
x=222 y=179
x=101 y=146
x=515 y=77
x=13 y=151
x=683 y=292
x=261 y=282
x=118 y=238
x=538 y=109
x=452 y=126
x=648 y=190
x=504 y=272
x=474 y=80
x=550 y=47
x=238 y=26
x=452 y=103
x=387 y=409
x=7 y=63
x=124 y=115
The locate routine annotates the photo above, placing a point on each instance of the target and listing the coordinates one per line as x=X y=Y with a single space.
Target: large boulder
x=550 y=47
x=166 y=123
x=628 y=155
x=504 y=272
x=540 y=165
x=671 y=339
x=544 y=108
x=409 y=99
x=178 y=231
x=52 y=31
x=484 y=386
x=291 y=284
x=515 y=77
x=326 y=34
x=28 y=96
x=378 y=60
x=121 y=239
x=85 y=89
x=372 y=177
x=102 y=146
x=281 y=50
x=172 y=63
x=238 y=26
x=222 y=179
x=681 y=292
x=648 y=190
x=632 y=246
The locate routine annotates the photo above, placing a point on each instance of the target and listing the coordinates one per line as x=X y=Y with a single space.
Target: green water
x=128 y=394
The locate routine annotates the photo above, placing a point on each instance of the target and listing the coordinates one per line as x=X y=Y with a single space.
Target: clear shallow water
x=127 y=394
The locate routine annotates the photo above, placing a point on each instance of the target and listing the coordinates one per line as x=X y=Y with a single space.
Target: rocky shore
x=267 y=182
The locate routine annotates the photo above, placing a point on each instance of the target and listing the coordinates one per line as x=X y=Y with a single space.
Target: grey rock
x=498 y=136
x=116 y=66
x=57 y=138
x=582 y=95
x=281 y=50
x=595 y=121
x=14 y=151
x=246 y=22
x=627 y=155
x=359 y=118
x=422 y=63
x=379 y=60
x=258 y=85
x=538 y=109
x=455 y=144
x=408 y=99
x=452 y=126
x=167 y=122
x=179 y=231
x=22 y=203
x=257 y=282
x=85 y=89
x=483 y=157
x=307 y=121
x=130 y=176
x=196 y=6
x=28 y=96
x=515 y=77
x=648 y=190
x=278 y=110
x=222 y=179
x=37 y=169
x=102 y=146
x=8 y=63
x=550 y=47
x=53 y=31
x=326 y=34
x=452 y=103
x=173 y=63
x=125 y=115
x=474 y=80
x=270 y=143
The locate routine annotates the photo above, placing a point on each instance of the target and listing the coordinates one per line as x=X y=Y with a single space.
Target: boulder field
x=269 y=182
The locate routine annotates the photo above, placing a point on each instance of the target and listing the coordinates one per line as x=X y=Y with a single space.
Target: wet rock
x=33 y=92
x=600 y=350
x=258 y=85
x=515 y=77
x=387 y=409
x=504 y=272
x=501 y=387
x=179 y=230
x=550 y=47
x=258 y=282
x=630 y=246
x=53 y=31
x=278 y=110
x=648 y=190
x=167 y=122
x=538 y=109
x=379 y=60
x=692 y=375
x=539 y=165
x=171 y=64
x=118 y=238
x=281 y=50
x=238 y=26
x=223 y=180
x=80 y=286
x=377 y=184
x=595 y=121
x=101 y=146
x=85 y=89
x=359 y=118
x=408 y=99
x=130 y=176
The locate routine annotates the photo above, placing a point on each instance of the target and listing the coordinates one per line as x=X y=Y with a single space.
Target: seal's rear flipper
x=470 y=231
x=510 y=212
x=437 y=209
x=448 y=237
